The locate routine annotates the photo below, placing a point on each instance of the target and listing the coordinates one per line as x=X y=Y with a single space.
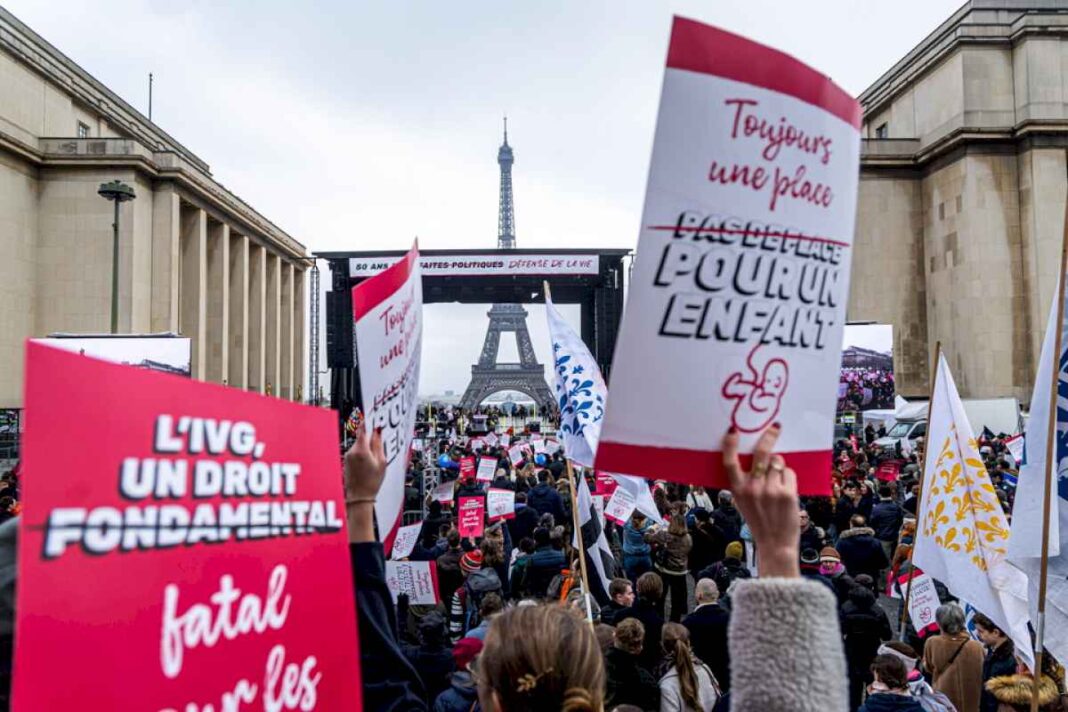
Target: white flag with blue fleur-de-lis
x=580 y=390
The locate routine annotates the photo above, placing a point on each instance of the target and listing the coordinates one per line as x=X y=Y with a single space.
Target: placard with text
x=471 y=516
x=737 y=303
x=183 y=544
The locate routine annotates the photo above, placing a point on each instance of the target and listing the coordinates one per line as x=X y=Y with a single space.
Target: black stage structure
x=454 y=276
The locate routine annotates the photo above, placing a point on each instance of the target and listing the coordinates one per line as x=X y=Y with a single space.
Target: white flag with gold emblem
x=963 y=533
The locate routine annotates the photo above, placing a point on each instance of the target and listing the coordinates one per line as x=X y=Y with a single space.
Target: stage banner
x=471 y=516
x=187 y=537
x=500 y=504
x=735 y=312
x=388 y=313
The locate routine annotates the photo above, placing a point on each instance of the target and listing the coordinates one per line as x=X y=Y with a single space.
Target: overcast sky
x=359 y=125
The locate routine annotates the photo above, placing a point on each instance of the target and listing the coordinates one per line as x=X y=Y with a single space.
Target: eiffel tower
x=488 y=376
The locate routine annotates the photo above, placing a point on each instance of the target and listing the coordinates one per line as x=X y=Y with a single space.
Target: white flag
x=1025 y=545
x=580 y=395
x=962 y=538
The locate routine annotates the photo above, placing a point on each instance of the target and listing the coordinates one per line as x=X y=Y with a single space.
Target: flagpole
x=578 y=537
x=919 y=497
x=1051 y=462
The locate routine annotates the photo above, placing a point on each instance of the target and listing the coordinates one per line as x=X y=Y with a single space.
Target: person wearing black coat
x=1000 y=658
x=886 y=519
x=727 y=517
x=864 y=628
x=544 y=499
x=709 y=542
x=525 y=521
x=545 y=564
x=708 y=626
x=861 y=552
x=432 y=657
x=627 y=681
x=853 y=501
x=646 y=610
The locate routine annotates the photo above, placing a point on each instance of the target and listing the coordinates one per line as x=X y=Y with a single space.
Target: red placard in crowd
x=888 y=471
x=183 y=544
x=606 y=484
x=467 y=468
x=471 y=516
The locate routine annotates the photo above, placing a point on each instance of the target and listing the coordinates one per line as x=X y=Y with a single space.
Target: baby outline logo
x=758 y=399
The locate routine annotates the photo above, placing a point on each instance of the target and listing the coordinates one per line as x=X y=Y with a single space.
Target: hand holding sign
x=365 y=468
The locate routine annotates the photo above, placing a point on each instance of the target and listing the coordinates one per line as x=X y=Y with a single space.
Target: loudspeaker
x=339 y=347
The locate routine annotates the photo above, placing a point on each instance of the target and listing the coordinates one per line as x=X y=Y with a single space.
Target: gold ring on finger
x=759 y=469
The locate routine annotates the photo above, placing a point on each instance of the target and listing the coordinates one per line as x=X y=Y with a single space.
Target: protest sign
x=471 y=516
x=606 y=484
x=388 y=313
x=417 y=579
x=539 y=447
x=467 y=468
x=490 y=438
x=506 y=439
x=736 y=307
x=444 y=493
x=405 y=540
x=477 y=444
x=923 y=601
x=888 y=471
x=515 y=454
x=500 y=504
x=417 y=444
x=487 y=468
x=152 y=498
x=620 y=506
x=1015 y=445
x=551 y=447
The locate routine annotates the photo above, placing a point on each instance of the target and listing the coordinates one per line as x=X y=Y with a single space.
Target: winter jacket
x=671 y=690
x=389 y=680
x=886 y=518
x=628 y=683
x=813 y=538
x=782 y=625
x=450 y=577
x=674 y=554
x=434 y=665
x=461 y=695
x=1014 y=692
x=861 y=552
x=963 y=680
x=729 y=520
x=890 y=702
x=523 y=524
x=634 y=543
x=999 y=662
x=543 y=499
x=724 y=573
x=611 y=611
x=864 y=627
x=709 y=545
x=545 y=563
x=649 y=615
x=708 y=626
x=846 y=508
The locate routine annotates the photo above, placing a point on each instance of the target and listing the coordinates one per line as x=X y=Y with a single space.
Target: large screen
x=867 y=378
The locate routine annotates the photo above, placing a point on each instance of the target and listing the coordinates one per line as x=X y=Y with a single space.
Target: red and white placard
x=487 y=468
x=500 y=504
x=417 y=579
x=736 y=307
x=471 y=516
x=404 y=542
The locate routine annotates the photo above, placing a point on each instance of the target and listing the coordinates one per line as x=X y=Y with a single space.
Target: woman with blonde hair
x=554 y=664
x=688 y=685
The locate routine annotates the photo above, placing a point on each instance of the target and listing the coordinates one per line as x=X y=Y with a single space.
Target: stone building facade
x=962 y=196
x=194 y=259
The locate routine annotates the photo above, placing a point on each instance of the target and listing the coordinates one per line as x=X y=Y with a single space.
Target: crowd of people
x=718 y=606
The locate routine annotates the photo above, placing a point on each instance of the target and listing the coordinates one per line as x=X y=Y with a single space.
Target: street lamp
x=118 y=192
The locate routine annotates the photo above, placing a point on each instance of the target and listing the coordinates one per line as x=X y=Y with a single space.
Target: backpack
x=476 y=586
x=724 y=576
x=932 y=701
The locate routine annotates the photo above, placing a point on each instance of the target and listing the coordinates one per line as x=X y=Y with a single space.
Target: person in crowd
x=450 y=577
x=698 y=499
x=889 y=691
x=864 y=628
x=861 y=552
x=832 y=569
x=555 y=664
x=628 y=682
x=621 y=594
x=918 y=685
x=709 y=544
x=432 y=658
x=953 y=660
x=1013 y=692
x=821 y=513
x=544 y=499
x=660 y=499
x=491 y=605
x=525 y=521
x=886 y=519
x=688 y=685
x=708 y=626
x=855 y=500
x=727 y=517
x=545 y=564
x=647 y=608
x=429 y=547
x=812 y=537
x=462 y=694
x=493 y=557
x=912 y=500
x=810 y=569
x=501 y=480
x=727 y=571
x=436 y=517
x=672 y=560
x=1000 y=659
x=517 y=577
x=479 y=581
x=411 y=492
x=637 y=554
x=470 y=487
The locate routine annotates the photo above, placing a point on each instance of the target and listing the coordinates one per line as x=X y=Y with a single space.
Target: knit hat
x=471 y=561
x=735 y=550
x=465 y=651
x=829 y=553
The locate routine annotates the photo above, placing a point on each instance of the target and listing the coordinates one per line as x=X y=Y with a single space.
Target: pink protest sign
x=471 y=516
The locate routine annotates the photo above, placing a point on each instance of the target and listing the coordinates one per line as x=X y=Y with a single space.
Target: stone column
x=300 y=367
x=239 y=321
x=166 y=227
x=257 y=318
x=218 y=302
x=192 y=319
x=274 y=323
x=288 y=390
